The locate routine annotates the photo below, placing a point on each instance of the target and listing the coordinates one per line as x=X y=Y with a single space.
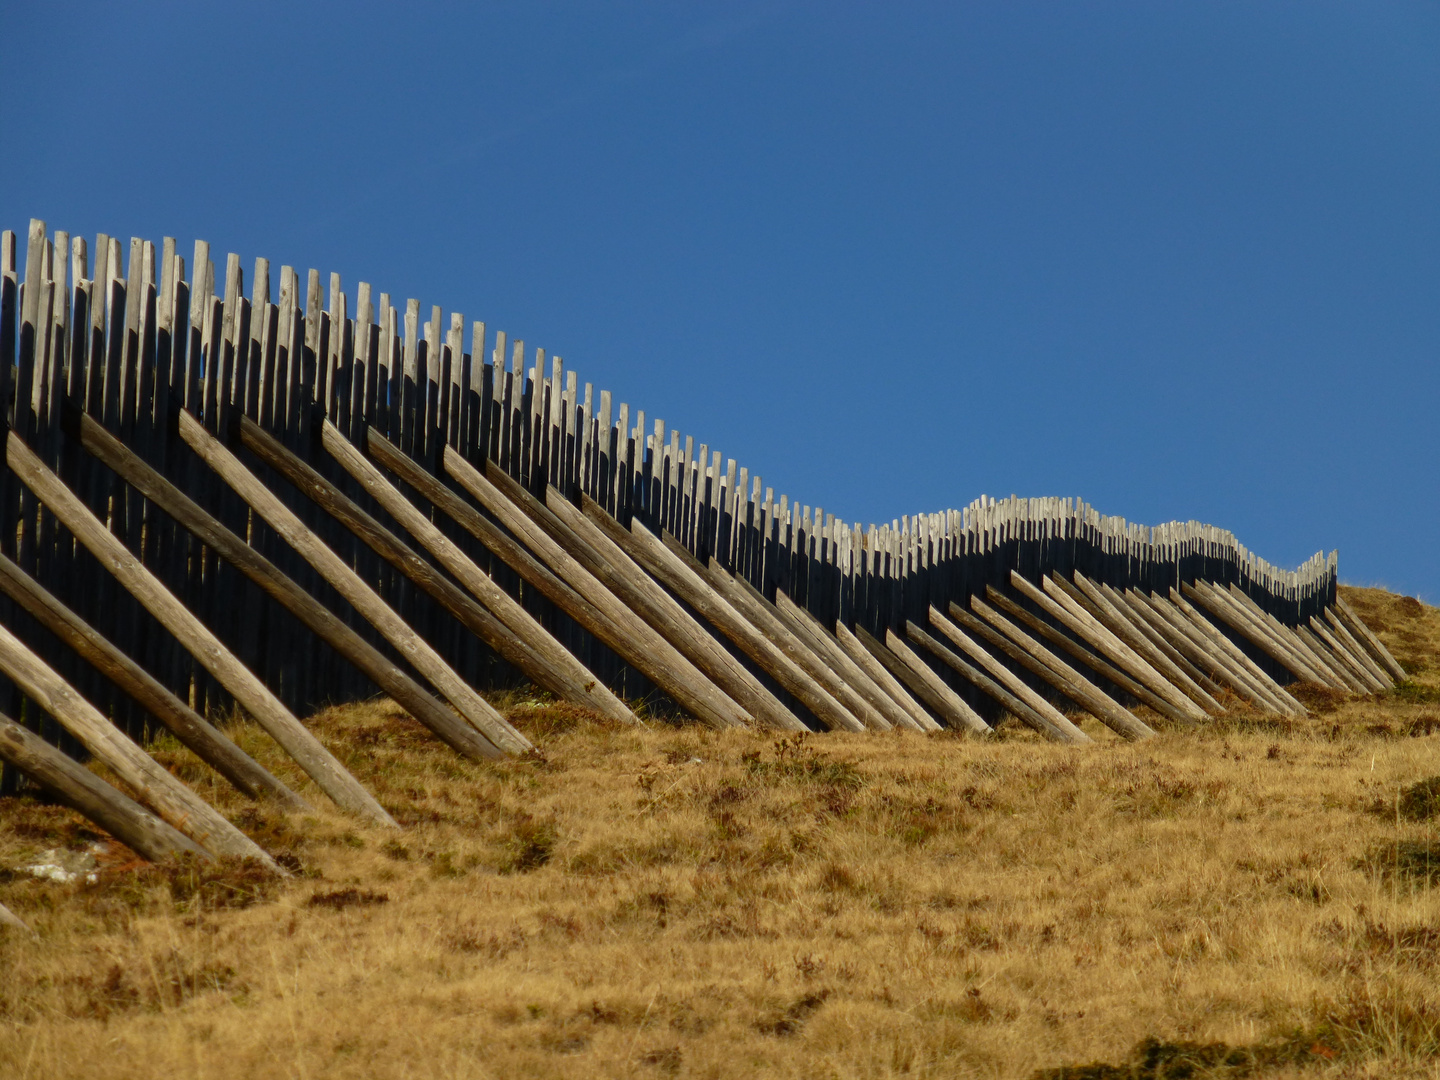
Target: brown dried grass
x=1241 y=900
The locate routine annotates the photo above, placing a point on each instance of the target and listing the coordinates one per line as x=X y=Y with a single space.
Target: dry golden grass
x=675 y=902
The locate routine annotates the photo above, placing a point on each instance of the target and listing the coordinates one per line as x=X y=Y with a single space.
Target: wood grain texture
x=147 y=835
x=502 y=623
x=193 y=730
x=168 y=797
x=249 y=691
x=417 y=652
x=1036 y=658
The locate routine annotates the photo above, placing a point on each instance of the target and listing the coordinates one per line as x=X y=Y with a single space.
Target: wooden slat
x=209 y=744
x=167 y=796
x=279 y=586
x=985 y=677
x=762 y=615
x=510 y=630
x=1119 y=668
x=1054 y=723
x=1315 y=658
x=1142 y=619
x=1185 y=634
x=882 y=678
x=638 y=642
x=1117 y=650
x=1258 y=674
x=1357 y=650
x=348 y=584
x=1034 y=657
x=1124 y=626
x=1377 y=648
x=909 y=668
x=685 y=577
x=1225 y=609
x=147 y=835
x=252 y=694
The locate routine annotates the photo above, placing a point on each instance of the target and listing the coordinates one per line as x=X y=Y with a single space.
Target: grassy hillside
x=673 y=902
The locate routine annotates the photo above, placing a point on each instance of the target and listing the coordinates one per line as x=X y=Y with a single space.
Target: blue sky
x=1180 y=260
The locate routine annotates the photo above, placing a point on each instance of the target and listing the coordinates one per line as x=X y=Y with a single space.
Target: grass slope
x=1253 y=898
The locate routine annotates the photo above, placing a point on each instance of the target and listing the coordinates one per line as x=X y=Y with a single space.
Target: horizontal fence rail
x=395 y=440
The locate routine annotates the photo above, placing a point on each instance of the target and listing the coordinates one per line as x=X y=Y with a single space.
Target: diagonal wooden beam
x=193 y=730
x=1039 y=713
x=480 y=714
x=1079 y=651
x=1030 y=654
x=249 y=692
x=524 y=642
x=148 y=836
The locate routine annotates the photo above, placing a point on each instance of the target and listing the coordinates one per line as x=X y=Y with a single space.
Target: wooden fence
x=139 y=344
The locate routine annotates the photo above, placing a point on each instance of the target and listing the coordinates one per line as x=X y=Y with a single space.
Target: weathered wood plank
x=147 y=835
x=1052 y=723
x=685 y=576
x=882 y=678
x=418 y=653
x=1033 y=656
x=607 y=561
x=511 y=631
x=982 y=677
x=1367 y=637
x=641 y=645
x=197 y=638
x=209 y=744
x=167 y=796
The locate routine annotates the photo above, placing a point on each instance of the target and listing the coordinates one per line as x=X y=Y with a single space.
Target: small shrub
x=1420 y=802
x=529 y=845
x=352 y=897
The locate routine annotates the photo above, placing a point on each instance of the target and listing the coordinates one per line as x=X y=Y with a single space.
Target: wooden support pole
x=882 y=713
x=309 y=611
x=1234 y=673
x=248 y=691
x=417 y=652
x=1080 y=652
x=1334 y=665
x=192 y=729
x=10 y=919
x=863 y=659
x=1358 y=669
x=1357 y=650
x=1229 y=611
x=522 y=626
x=881 y=676
x=609 y=562
x=1377 y=647
x=1302 y=648
x=903 y=663
x=685 y=577
x=1030 y=654
x=147 y=835
x=1004 y=697
x=1211 y=632
x=761 y=613
x=1058 y=604
x=167 y=796
x=1068 y=597
x=1026 y=706
x=534 y=651
x=1093 y=599
x=960 y=638
x=1150 y=627
x=630 y=636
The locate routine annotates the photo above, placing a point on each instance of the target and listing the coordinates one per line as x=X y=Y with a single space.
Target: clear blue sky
x=1179 y=259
